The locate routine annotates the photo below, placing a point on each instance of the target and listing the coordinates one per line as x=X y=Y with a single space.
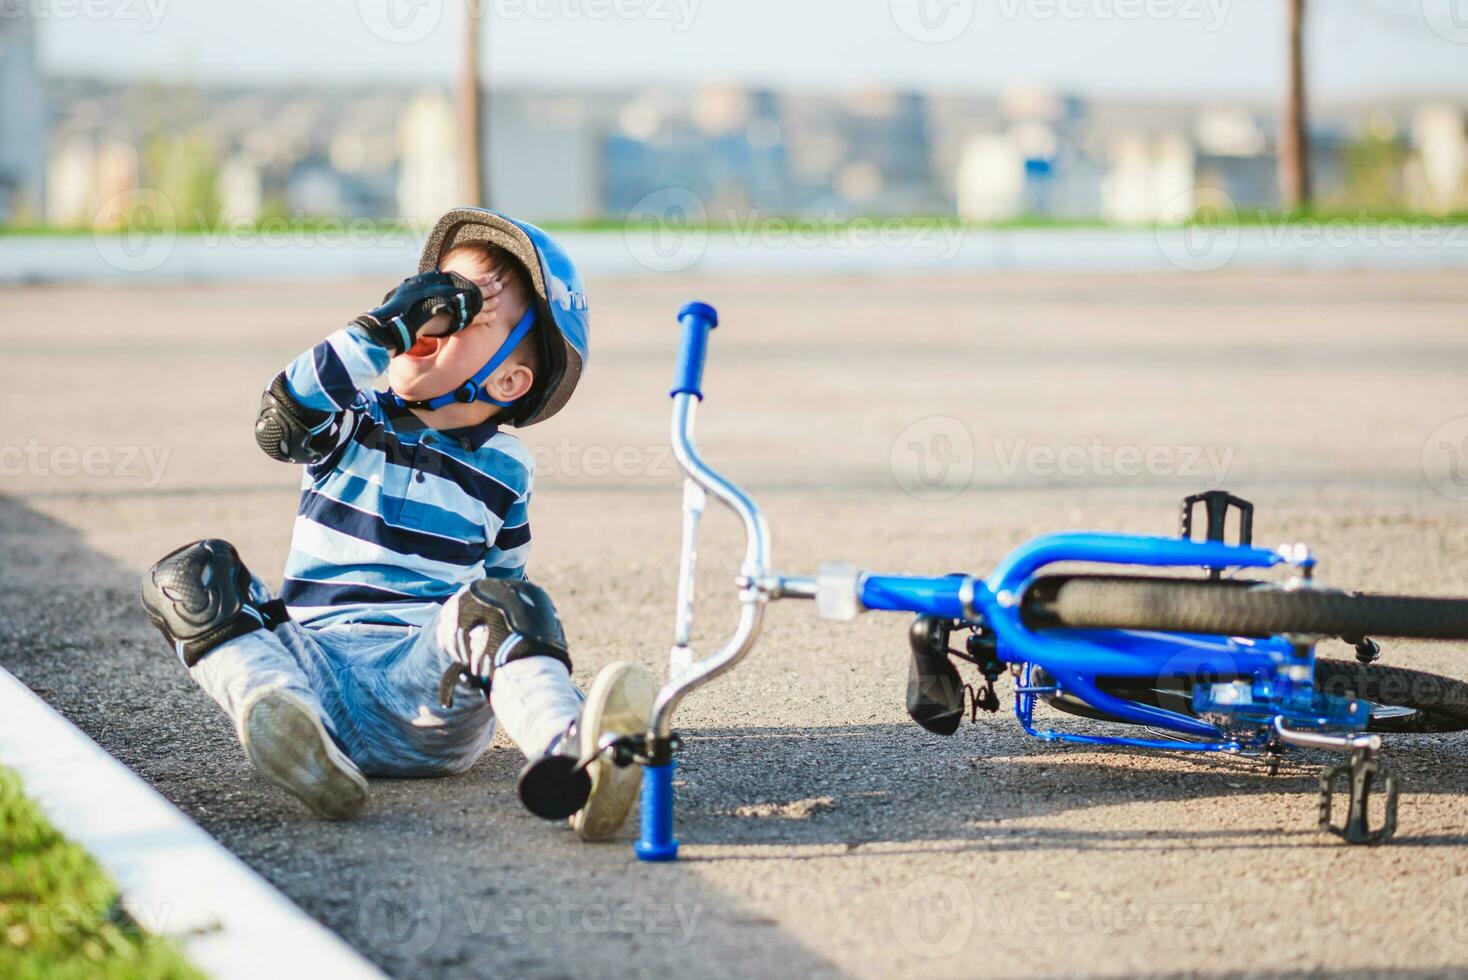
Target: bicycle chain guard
x=1360 y=773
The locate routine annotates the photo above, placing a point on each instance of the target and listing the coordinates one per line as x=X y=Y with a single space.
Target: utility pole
x=1294 y=141
x=471 y=122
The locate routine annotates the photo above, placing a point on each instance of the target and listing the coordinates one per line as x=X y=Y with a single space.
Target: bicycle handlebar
x=697 y=319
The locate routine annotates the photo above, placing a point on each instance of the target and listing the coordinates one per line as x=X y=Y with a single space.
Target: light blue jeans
x=376 y=690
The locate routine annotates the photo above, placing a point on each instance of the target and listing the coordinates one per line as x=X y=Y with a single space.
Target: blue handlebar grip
x=697 y=319
x=657 y=842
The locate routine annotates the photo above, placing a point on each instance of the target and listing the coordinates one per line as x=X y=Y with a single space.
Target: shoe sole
x=287 y=744
x=620 y=702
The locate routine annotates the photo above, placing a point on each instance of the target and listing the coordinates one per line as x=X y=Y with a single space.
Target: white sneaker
x=619 y=702
x=287 y=743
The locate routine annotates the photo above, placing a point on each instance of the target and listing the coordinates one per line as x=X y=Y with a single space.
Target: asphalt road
x=824 y=834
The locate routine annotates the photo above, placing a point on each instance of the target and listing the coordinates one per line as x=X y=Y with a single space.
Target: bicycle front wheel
x=1401 y=700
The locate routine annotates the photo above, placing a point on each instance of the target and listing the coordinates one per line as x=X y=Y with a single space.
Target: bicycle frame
x=1073 y=658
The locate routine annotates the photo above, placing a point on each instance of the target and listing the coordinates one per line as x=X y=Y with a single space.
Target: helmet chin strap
x=473 y=390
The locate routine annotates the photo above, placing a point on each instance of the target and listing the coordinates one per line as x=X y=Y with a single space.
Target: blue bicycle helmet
x=560 y=300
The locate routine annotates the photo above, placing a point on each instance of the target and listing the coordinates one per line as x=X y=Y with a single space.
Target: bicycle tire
x=1240 y=609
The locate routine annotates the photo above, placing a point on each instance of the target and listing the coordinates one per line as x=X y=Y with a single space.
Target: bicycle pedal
x=1360 y=773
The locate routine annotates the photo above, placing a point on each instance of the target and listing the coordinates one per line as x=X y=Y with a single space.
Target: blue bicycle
x=1204 y=657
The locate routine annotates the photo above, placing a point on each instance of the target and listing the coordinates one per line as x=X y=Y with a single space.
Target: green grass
x=60 y=918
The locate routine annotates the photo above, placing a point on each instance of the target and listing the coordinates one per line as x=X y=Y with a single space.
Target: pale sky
x=1184 y=48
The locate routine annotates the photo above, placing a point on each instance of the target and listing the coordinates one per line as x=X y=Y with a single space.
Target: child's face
x=437 y=364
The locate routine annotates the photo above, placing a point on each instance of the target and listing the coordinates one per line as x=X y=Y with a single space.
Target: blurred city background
x=82 y=122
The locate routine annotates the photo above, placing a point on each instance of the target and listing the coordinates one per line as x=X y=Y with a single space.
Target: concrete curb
x=176 y=880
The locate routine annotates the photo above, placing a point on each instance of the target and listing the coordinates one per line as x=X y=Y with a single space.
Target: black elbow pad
x=290 y=432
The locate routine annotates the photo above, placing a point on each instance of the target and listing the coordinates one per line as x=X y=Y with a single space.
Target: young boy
x=406 y=625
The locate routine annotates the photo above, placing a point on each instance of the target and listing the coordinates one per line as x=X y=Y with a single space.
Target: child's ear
x=510 y=383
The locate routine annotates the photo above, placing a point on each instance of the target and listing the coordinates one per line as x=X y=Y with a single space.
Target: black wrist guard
x=404 y=311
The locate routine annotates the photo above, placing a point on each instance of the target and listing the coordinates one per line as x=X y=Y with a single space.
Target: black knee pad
x=199 y=597
x=499 y=621
x=517 y=607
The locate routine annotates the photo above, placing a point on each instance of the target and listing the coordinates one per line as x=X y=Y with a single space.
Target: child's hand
x=446 y=299
x=489 y=287
x=505 y=301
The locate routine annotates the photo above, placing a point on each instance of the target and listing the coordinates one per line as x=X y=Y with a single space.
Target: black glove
x=404 y=311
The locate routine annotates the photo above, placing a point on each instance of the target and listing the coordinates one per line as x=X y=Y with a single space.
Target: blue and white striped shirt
x=398 y=517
